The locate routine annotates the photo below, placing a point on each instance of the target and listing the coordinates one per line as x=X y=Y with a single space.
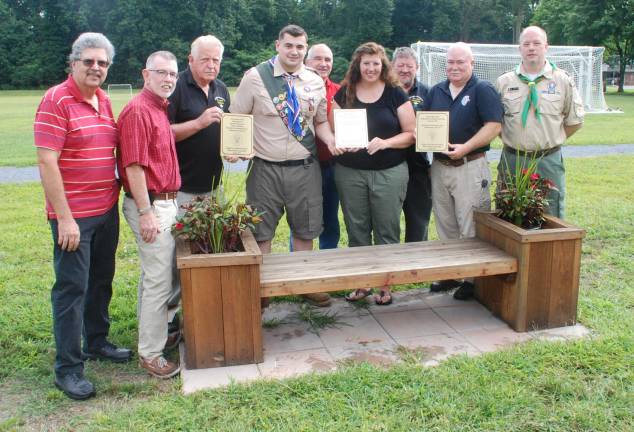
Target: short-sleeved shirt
x=86 y=139
x=383 y=122
x=146 y=139
x=322 y=149
x=417 y=95
x=199 y=154
x=272 y=139
x=478 y=103
x=559 y=105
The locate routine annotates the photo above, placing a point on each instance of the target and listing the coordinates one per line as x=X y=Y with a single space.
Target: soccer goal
x=583 y=64
x=120 y=89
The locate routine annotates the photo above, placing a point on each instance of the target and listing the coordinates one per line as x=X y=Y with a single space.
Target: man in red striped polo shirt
x=75 y=136
x=148 y=166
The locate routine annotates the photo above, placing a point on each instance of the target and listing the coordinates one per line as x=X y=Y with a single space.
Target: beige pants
x=156 y=283
x=456 y=192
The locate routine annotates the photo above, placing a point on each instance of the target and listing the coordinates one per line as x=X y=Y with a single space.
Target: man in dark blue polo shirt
x=417 y=204
x=461 y=176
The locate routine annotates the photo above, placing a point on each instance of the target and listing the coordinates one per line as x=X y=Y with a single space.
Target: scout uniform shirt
x=559 y=104
x=272 y=140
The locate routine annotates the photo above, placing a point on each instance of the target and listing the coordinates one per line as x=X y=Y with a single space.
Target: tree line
x=36 y=35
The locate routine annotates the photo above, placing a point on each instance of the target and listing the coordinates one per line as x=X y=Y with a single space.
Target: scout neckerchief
x=286 y=103
x=533 y=96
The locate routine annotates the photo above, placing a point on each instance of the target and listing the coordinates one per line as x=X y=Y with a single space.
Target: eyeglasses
x=91 y=62
x=164 y=73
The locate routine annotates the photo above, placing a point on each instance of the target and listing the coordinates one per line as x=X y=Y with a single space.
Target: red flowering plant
x=521 y=194
x=213 y=225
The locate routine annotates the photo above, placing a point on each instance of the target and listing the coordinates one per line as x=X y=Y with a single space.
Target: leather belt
x=289 y=163
x=157 y=196
x=536 y=153
x=460 y=162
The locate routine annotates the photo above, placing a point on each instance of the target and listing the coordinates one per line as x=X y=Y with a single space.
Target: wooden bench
x=529 y=279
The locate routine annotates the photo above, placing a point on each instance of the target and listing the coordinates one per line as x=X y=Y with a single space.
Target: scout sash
x=287 y=105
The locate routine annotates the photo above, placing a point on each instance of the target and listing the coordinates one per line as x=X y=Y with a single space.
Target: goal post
x=120 y=89
x=583 y=64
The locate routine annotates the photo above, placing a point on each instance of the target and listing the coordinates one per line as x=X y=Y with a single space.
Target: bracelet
x=145 y=210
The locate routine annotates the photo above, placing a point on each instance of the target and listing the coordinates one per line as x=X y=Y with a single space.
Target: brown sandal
x=358 y=294
x=378 y=298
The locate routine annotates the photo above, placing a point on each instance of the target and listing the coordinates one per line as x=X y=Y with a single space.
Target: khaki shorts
x=296 y=190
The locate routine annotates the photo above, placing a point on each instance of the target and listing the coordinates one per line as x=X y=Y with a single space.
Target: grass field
x=17 y=109
x=586 y=385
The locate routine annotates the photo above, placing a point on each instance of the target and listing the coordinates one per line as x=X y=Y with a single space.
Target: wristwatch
x=144 y=210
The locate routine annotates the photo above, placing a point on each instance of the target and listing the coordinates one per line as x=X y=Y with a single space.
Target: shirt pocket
x=512 y=104
x=264 y=105
x=550 y=104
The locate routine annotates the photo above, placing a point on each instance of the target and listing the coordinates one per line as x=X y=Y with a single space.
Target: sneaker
x=445 y=285
x=318 y=299
x=465 y=292
x=159 y=367
x=108 y=351
x=75 y=386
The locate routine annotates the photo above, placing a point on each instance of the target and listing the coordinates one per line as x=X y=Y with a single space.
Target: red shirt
x=85 y=139
x=322 y=149
x=146 y=139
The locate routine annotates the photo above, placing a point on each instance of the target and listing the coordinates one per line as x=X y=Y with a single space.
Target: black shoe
x=174 y=325
x=75 y=386
x=465 y=292
x=108 y=352
x=445 y=285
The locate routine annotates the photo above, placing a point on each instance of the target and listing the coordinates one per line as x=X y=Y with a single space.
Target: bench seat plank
x=376 y=266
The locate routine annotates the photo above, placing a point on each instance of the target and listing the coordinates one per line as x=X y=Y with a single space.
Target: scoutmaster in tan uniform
x=288 y=103
x=541 y=109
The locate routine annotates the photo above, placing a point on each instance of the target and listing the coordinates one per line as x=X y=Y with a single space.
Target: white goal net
x=583 y=64
x=120 y=89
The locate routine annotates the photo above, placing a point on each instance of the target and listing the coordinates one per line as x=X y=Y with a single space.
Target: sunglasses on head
x=90 y=63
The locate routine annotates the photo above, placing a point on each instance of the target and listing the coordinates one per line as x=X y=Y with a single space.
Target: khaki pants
x=156 y=283
x=456 y=192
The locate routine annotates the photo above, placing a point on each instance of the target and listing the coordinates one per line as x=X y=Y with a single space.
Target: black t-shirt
x=383 y=123
x=199 y=155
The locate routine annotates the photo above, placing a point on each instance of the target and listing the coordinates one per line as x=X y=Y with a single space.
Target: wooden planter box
x=544 y=292
x=221 y=305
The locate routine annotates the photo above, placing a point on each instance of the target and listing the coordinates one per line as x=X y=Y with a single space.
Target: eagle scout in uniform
x=288 y=103
x=541 y=109
x=417 y=205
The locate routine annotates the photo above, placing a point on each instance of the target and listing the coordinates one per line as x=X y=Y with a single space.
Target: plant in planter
x=212 y=226
x=521 y=195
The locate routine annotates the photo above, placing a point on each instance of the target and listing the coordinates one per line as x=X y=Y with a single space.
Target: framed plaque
x=236 y=135
x=432 y=131
x=351 y=128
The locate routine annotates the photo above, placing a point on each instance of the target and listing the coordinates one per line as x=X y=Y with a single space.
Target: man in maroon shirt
x=147 y=163
x=75 y=136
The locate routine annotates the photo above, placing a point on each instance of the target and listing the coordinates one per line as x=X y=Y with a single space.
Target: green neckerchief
x=533 y=96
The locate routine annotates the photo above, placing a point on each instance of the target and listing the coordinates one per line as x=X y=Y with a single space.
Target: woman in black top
x=372 y=181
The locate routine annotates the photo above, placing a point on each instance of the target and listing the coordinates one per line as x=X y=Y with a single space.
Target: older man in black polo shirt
x=195 y=109
x=461 y=176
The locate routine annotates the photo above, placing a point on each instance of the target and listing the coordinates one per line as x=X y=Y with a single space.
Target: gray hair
x=405 y=52
x=206 y=40
x=311 y=50
x=462 y=47
x=91 y=40
x=149 y=63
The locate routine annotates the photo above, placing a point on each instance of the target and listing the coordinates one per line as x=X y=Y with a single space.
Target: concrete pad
x=470 y=316
x=200 y=379
x=494 y=339
x=573 y=332
x=401 y=301
x=360 y=331
x=289 y=337
x=413 y=323
x=383 y=355
x=435 y=348
x=444 y=299
x=289 y=364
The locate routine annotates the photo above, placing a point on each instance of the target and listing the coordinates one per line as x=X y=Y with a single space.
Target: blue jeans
x=83 y=288
x=329 y=237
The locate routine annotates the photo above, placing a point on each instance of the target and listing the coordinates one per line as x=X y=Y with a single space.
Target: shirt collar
x=74 y=90
x=547 y=70
x=472 y=81
x=414 y=88
x=302 y=72
x=189 y=78
x=154 y=99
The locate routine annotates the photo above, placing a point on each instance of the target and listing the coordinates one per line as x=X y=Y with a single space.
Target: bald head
x=534 y=31
x=459 y=64
x=533 y=47
x=319 y=57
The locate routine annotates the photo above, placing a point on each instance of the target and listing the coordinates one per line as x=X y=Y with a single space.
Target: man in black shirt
x=417 y=205
x=195 y=109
